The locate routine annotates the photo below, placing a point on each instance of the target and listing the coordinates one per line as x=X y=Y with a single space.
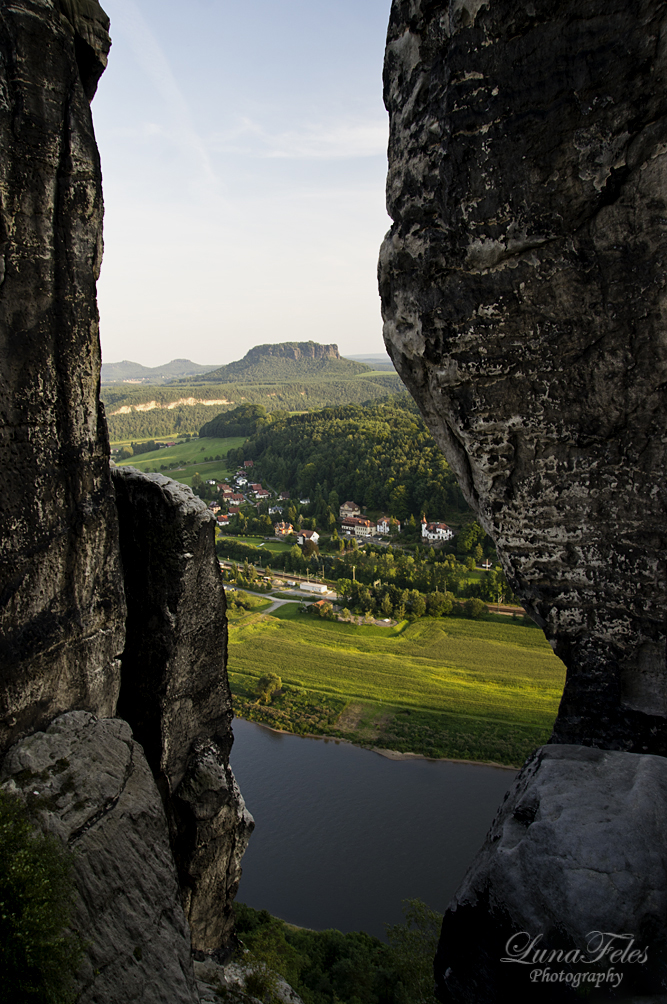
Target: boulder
x=575 y=860
x=87 y=781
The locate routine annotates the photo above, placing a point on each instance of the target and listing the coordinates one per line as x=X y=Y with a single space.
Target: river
x=343 y=834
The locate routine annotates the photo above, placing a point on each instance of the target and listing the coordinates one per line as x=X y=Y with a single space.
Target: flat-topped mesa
x=523 y=289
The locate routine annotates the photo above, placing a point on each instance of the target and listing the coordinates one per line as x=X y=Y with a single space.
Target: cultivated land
x=188 y=459
x=451 y=687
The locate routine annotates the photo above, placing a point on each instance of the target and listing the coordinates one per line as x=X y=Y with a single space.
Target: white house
x=436 y=531
x=305 y=535
x=385 y=524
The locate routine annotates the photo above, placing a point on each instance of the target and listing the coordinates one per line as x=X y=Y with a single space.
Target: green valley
x=476 y=690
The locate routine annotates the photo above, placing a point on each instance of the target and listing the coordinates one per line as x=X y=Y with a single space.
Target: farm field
x=189 y=458
x=266 y=545
x=478 y=690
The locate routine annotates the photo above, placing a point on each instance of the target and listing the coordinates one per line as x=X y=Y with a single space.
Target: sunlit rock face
x=62 y=608
x=523 y=292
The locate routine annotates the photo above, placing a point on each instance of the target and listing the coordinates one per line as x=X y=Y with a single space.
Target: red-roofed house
x=283 y=529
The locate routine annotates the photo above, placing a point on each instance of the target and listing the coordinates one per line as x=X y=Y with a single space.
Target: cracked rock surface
x=523 y=288
x=175 y=692
x=87 y=781
x=577 y=847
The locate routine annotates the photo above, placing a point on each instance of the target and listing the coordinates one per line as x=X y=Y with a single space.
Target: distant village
x=243 y=491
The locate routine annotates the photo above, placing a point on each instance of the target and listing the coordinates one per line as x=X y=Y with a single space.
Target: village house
x=275 y=510
x=305 y=535
x=234 y=511
x=385 y=524
x=304 y=501
x=254 y=486
x=284 y=496
x=358 y=526
x=235 y=497
x=283 y=529
x=349 y=509
x=262 y=493
x=214 y=507
x=224 y=488
x=248 y=463
x=241 y=481
x=222 y=519
x=436 y=531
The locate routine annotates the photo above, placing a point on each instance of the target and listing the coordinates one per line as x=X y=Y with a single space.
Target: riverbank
x=387 y=754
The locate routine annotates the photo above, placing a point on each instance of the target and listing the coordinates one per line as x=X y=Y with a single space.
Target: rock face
x=62 y=594
x=523 y=288
x=88 y=782
x=175 y=692
x=61 y=600
x=577 y=847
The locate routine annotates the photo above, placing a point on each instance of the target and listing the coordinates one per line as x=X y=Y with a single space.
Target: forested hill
x=146 y=412
x=288 y=361
x=127 y=370
x=380 y=455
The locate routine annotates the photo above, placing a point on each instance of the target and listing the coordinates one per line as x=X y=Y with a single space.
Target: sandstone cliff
x=175 y=692
x=69 y=644
x=523 y=288
x=62 y=609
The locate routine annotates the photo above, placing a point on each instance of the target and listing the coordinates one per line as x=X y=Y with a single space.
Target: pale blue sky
x=243 y=153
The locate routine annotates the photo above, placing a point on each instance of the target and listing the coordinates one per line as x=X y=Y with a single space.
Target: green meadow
x=266 y=545
x=465 y=689
x=188 y=458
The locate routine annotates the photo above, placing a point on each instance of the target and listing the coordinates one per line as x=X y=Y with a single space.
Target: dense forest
x=242 y=421
x=149 y=411
x=381 y=456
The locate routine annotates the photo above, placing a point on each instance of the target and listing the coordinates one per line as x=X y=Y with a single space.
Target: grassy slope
x=189 y=458
x=471 y=689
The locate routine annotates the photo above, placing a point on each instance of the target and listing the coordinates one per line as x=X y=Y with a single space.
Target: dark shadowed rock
x=61 y=597
x=523 y=286
x=576 y=848
x=87 y=782
x=175 y=692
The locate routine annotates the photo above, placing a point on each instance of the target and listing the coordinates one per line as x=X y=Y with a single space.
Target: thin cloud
x=150 y=56
x=337 y=141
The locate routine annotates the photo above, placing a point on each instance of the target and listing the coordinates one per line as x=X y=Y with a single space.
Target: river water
x=344 y=834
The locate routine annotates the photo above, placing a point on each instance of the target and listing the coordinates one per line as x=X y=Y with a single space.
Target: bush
x=38 y=955
x=267 y=686
x=475 y=608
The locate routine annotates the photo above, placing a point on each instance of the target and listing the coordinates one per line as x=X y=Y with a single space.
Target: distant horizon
x=243 y=151
x=186 y=359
